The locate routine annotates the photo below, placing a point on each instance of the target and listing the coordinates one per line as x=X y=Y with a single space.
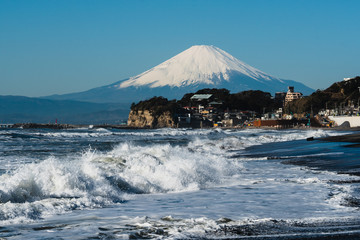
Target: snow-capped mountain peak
x=200 y=64
x=198 y=67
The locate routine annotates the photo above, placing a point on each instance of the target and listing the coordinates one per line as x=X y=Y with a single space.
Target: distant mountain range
x=193 y=69
x=198 y=67
x=17 y=109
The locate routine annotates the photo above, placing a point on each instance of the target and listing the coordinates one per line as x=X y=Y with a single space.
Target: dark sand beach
x=350 y=138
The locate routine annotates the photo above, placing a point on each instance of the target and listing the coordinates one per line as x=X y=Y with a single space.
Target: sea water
x=177 y=184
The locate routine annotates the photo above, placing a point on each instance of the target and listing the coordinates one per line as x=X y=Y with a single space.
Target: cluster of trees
x=247 y=100
x=157 y=105
x=251 y=100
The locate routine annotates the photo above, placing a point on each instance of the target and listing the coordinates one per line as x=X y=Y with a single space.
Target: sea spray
x=98 y=179
x=163 y=167
x=120 y=184
x=54 y=186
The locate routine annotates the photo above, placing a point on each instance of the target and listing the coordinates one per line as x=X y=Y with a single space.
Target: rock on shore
x=147 y=119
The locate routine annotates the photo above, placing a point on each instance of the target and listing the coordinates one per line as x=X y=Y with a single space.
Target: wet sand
x=351 y=138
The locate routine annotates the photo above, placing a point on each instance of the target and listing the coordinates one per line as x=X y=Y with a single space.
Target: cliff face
x=145 y=119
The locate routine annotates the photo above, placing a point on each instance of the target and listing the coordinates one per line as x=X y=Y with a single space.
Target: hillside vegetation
x=339 y=94
x=252 y=100
x=156 y=106
x=246 y=100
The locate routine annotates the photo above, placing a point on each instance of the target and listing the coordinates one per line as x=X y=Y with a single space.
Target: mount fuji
x=198 y=67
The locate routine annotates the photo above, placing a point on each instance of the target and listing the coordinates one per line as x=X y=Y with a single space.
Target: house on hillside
x=291 y=95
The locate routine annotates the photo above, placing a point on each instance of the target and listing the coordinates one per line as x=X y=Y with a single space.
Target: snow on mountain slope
x=200 y=64
x=198 y=67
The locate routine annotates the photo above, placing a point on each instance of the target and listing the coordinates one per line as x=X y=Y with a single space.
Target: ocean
x=178 y=184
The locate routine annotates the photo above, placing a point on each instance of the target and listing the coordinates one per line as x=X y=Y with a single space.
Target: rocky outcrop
x=147 y=119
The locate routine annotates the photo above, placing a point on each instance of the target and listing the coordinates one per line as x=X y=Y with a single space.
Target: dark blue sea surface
x=177 y=184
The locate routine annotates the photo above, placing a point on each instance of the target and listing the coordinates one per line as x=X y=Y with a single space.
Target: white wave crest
x=164 y=168
x=96 y=179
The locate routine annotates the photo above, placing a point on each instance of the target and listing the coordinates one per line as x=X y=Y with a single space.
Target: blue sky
x=59 y=46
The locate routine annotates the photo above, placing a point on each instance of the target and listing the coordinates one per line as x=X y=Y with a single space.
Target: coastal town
x=207 y=109
x=336 y=106
x=211 y=108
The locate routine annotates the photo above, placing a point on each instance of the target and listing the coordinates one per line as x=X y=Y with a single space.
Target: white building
x=291 y=95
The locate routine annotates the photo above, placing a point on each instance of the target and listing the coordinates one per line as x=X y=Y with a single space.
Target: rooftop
x=201 y=96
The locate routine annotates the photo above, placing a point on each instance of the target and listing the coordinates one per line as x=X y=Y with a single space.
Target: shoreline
x=351 y=138
x=69 y=126
x=343 y=138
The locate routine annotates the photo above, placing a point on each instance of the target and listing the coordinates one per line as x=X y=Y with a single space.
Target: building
x=291 y=95
x=201 y=97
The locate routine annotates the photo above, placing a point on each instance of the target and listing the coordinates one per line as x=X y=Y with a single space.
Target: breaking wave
x=96 y=179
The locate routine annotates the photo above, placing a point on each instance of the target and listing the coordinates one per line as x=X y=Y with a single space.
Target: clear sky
x=63 y=46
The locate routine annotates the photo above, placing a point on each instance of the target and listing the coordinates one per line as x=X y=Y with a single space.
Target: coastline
x=69 y=126
x=124 y=126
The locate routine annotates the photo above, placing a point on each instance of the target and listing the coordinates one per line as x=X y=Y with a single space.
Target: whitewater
x=177 y=184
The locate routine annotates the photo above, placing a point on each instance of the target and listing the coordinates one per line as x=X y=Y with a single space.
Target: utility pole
x=336 y=107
